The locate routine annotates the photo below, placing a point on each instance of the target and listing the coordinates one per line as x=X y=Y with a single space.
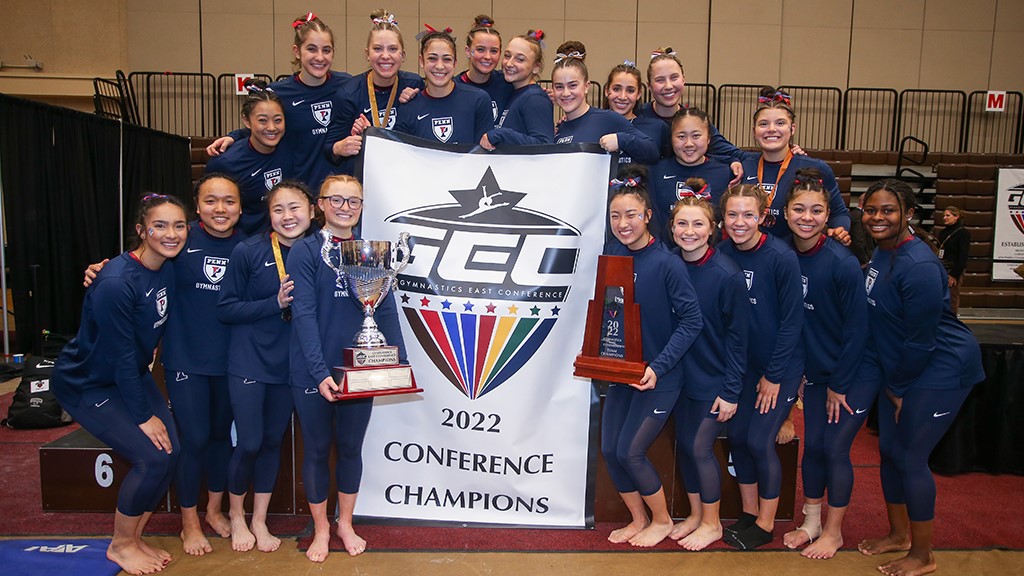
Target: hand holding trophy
x=367 y=269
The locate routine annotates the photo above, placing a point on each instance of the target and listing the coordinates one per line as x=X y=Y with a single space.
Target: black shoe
x=745 y=521
x=752 y=538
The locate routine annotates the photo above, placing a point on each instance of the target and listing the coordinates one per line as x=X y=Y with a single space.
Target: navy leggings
x=348 y=420
x=826 y=461
x=752 y=437
x=202 y=410
x=102 y=412
x=696 y=430
x=631 y=421
x=907 y=444
x=262 y=413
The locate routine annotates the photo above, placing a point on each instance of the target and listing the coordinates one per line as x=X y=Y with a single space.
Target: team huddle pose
x=749 y=297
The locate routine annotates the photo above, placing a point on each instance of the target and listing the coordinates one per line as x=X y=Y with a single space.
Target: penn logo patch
x=485 y=283
x=161 y=302
x=442 y=128
x=321 y=112
x=271 y=178
x=214 y=268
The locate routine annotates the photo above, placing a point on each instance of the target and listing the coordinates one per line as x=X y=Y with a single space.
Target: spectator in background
x=954 y=244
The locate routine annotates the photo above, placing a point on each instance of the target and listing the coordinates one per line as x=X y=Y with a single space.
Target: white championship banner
x=493 y=306
x=1008 y=244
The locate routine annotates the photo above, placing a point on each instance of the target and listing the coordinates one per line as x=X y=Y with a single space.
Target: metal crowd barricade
x=182 y=103
x=935 y=116
x=818 y=115
x=735 y=108
x=229 y=104
x=994 y=132
x=869 y=119
x=700 y=96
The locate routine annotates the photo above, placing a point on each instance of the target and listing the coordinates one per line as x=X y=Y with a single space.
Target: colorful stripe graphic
x=477 y=353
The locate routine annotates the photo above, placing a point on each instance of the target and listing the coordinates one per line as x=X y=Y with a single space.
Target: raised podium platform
x=79 y=473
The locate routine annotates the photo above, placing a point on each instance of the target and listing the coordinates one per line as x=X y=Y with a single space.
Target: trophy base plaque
x=610 y=369
x=368 y=381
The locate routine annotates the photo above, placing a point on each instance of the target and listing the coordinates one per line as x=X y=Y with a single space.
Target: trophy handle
x=402 y=254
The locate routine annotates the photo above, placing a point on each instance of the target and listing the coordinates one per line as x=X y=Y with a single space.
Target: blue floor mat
x=51 y=557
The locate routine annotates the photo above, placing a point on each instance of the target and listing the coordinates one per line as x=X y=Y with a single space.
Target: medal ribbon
x=373 y=101
x=278 y=259
x=782 y=170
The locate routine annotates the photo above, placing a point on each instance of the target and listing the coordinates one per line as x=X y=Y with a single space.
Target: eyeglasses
x=339 y=201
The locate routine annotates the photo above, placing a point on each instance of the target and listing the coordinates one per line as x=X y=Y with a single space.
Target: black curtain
x=60 y=172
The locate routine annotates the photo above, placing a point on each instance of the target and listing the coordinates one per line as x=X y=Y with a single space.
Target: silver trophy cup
x=367 y=268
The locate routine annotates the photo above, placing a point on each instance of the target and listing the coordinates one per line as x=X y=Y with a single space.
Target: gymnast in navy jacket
x=666 y=81
x=374 y=97
x=635 y=412
x=261 y=161
x=927 y=361
x=255 y=302
x=775 y=167
x=529 y=116
x=691 y=131
x=584 y=123
x=713 y=367
x=308 y=99
x=836 y=402
x=483 y=48
x=774 y=360
x=445 y=111
x=326 y=318
x=621 y=93
x=102 y=376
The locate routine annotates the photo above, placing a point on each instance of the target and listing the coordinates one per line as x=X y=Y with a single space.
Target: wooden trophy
x=611 y=339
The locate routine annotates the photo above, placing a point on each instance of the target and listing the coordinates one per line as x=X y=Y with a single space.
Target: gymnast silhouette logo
x=486 y=203
x=486 y=281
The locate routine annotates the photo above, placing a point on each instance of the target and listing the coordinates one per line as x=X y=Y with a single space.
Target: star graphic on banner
x=513 y=310
x=491 y=308
x=486 y=196
x=405 y=298
x=555 y=310
x=535 y=310
x=424 y=302
x=468 y=306
x=446 y=305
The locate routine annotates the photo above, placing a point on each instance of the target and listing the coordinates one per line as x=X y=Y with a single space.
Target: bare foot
x=887 y=543
x=786 y=433
x=684 y=528
x=319 y=547
x=194 y=542
x=622 y=535
x=265 y=541
x=909 y=566
x=652 y=535
x=353 y=543
x=242 y=539
x=702 y=537
x=796 y=538
x=824 y=548
x=220 y=524
x=160 y=554
x=133 y=559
